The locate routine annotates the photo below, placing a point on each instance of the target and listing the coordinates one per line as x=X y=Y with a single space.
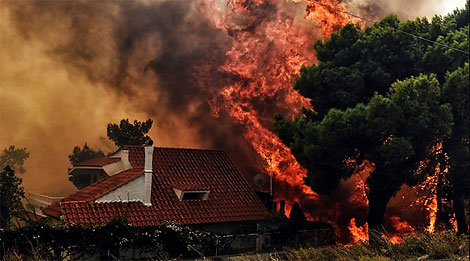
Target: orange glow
x=431 y=203
x=266 y=74
x=359 y=179
x=246 y=75
x=453 y=222
x=428 y=191
x=395 y=239
x=261 y=64
x=432 y=208
x=329 y=15
x=358 y=233
x=401 y=227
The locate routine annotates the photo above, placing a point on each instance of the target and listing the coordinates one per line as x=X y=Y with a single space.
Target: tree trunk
x=377 y=205
x=459 y=210
x=4 y=217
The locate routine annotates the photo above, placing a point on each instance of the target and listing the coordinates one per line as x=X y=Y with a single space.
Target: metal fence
x=266 y=242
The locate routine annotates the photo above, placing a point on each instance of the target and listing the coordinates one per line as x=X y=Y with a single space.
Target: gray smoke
x=375 y=10
x=146 y=53
x=138 y=58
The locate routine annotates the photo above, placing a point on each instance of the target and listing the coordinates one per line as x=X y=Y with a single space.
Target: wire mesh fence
x=265 y=242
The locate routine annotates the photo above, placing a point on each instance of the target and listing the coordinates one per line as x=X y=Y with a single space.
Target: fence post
x=259 y=242
x=315 y=238
x=296 y=240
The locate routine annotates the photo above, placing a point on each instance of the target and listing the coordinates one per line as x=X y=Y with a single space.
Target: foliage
x=296 y=230
x=82 y=154
x=456 y=148
x=14 y=158
x=123 y=134
x=445 y=245
x=79 y=155
x=53 y=242
x=378 y=100
x=11 y=194
x=129 y=134
x=440 y=245
x=274 y=221
x=394 y=132
x=455 y=92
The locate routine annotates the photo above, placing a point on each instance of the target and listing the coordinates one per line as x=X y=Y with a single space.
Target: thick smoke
x=374 y=10
x=70 y=67
x=134 y=58
x=46 y=109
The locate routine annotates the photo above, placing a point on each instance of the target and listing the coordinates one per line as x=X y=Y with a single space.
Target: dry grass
x=438 y=246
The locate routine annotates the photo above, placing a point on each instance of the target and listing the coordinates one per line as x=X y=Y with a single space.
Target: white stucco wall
x=132 y=191
x=117 y=167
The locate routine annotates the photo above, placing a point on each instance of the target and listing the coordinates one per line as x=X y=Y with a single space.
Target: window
x=191 y=194
x=194 y=195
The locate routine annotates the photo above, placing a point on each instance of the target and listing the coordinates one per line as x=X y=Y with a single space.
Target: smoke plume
x=209 y=73
x=375 y=10
x=70 y=67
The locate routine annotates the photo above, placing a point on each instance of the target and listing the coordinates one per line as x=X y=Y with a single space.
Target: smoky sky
x=109 y=40
x=146 y=53
x=374 y=10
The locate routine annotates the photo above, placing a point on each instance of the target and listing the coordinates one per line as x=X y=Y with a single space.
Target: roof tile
x=230 y=199
x=95 y=190
x=97 y=162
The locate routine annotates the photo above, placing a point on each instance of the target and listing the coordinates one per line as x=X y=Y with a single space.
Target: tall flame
x=358 y=233
x=259 y=47
x=329 y=15
x=265 y=58
x=431 y=184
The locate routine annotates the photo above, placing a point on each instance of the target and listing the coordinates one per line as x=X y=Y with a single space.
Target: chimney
x=125 y=158
x=148 y=174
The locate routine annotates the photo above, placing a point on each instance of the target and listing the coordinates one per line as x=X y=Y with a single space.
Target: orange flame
x=431 y=203
x=358 y=233
x=395 y=239
x=329 y=15
x=432 y=208
x=266 y=58
x=453 y=222
x=401 y=228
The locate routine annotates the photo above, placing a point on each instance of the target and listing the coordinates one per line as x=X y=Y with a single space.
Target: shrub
x=40 y=240
x=443 y=245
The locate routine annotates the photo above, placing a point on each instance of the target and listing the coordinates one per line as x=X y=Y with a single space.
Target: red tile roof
x=95 y=190
x=97 y=162
x=85 y=213
x=230 y=198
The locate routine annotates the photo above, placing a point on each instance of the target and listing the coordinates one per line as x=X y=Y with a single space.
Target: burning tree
x=213 y=72
x=361 y=119
x=456 y=92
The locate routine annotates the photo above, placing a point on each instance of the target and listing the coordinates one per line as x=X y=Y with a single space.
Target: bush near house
x=42 y=241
